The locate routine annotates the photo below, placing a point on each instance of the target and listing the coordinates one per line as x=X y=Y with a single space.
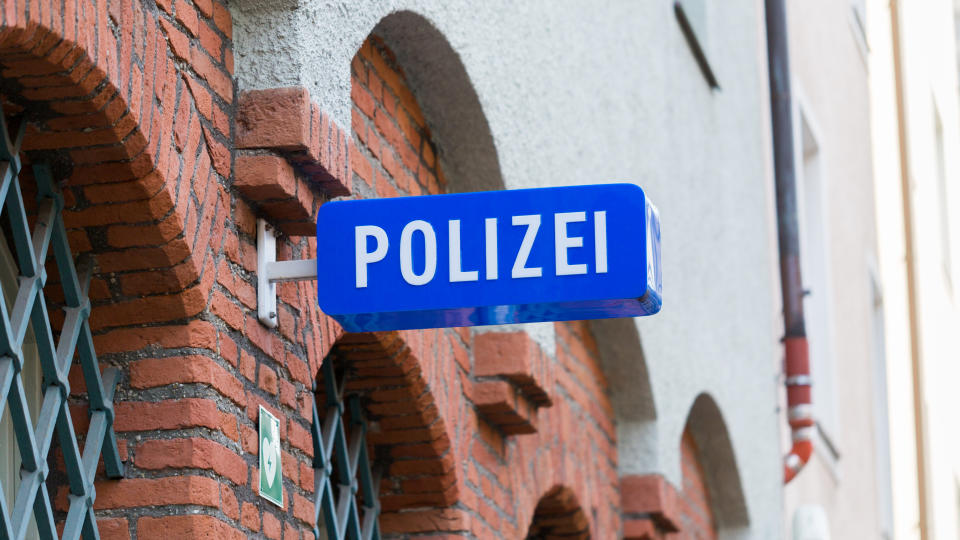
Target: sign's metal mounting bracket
x=270 y=271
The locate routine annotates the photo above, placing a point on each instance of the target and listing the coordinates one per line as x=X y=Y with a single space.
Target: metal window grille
x=56 y=359
x=347 y=490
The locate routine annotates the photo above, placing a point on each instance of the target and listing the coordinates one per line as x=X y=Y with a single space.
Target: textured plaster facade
x=584 y=94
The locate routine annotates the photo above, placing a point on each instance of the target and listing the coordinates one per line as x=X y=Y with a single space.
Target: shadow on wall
x=711 y=447
x=438 y=78
x=625 y=368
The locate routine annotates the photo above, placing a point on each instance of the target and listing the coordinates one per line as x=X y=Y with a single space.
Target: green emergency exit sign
x=271 y=484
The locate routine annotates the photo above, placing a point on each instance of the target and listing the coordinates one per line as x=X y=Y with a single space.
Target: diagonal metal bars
x=56 y=359
x=347 y=491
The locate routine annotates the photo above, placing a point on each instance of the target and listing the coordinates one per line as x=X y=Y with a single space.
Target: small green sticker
x=271 y=483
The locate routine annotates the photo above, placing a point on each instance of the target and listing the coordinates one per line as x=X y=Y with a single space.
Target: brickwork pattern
x=558 y=516
x=135 y=104
x=654 y=509
x=696 y=514
x=395 y=152
x=486 y=387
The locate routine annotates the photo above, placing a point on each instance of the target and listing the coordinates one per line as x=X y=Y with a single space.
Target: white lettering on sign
x=520 y=269
x=491 y=243
x=456 y=273
x=365 y=257
x=429 y=253
x=600 y=240
x=562 y=242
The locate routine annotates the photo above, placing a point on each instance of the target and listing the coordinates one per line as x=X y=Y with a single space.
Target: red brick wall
x=696 y=513
x=492 y=387
x=395 y=153
x=136 y=105
x=654 y=509
x=559 y=516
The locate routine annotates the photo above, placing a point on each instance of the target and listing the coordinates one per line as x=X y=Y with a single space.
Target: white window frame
x=815 y=254
x=858 y=30
x=696 y=31
x=942 y=183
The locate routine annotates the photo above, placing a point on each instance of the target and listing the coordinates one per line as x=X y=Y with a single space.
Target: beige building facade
x=916 y=136
x=843 y=490
x=877 y=132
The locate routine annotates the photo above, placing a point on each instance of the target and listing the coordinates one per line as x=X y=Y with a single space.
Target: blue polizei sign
x=528 y=255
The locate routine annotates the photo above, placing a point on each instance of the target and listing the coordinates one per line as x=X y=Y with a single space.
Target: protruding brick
x=515 y=356
x=197 y=453
x=186 y=526
x=133 y=492
x=284 y=119
x=155 y=372
x=278 y=118
x=262 y=178
x=503 y=405
x=651 y=494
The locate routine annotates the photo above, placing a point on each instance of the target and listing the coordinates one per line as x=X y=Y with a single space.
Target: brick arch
x=407 y=433
x=558 y=516
x=134 y=143
x=394 y=151
x=697 y=518
x=712 y=494
x=434 y=72
x=132 y=109
x=510 y=424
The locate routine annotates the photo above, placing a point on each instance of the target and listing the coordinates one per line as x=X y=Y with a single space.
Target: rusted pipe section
x=798 y=381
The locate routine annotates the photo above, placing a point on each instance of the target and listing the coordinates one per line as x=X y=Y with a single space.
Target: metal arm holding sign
x=270 y=271
x=439 y=261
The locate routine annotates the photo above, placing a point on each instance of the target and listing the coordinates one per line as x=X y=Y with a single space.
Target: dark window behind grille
x=55 y=354
x=346 y=487
x=30 y=376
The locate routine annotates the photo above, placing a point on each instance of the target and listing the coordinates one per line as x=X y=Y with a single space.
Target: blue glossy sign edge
x=649 y=303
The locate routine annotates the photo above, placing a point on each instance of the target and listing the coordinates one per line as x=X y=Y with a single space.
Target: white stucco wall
x=590 y=92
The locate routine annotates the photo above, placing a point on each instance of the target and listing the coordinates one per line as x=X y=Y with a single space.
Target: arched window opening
x=30 y=377
x=558 y=516
x=696 y=513
x=44 y=333
x=347 y=486
x=371 y=383
x=397 y=148
x=713 y=503
x=413 y=59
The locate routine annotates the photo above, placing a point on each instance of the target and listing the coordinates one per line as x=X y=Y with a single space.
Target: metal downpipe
x=798 y=380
